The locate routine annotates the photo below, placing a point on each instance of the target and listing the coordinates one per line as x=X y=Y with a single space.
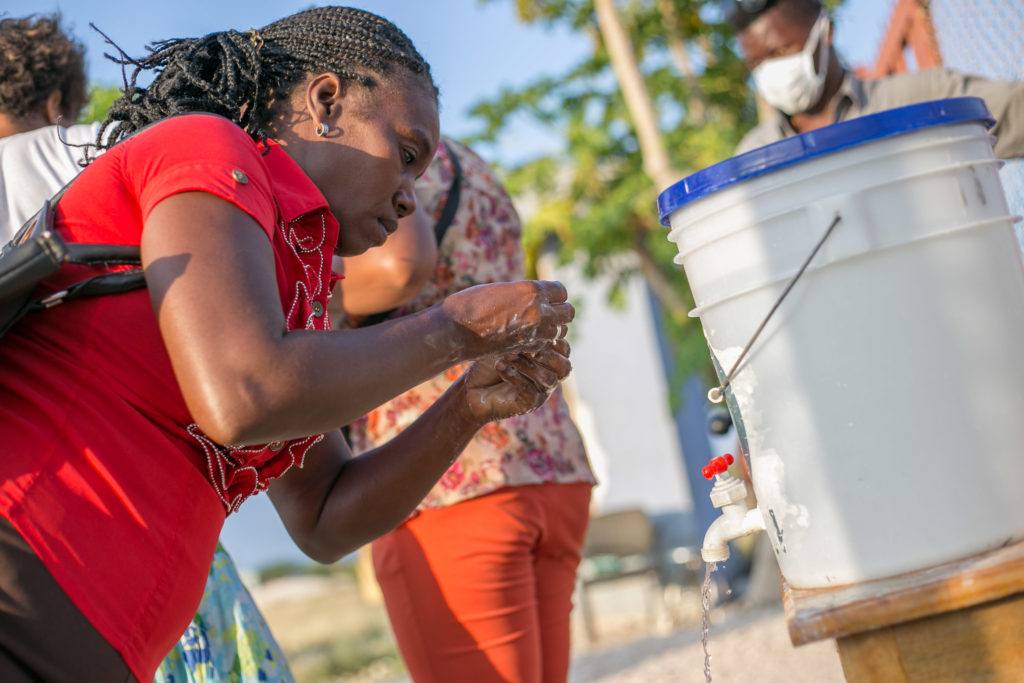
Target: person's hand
x=513 y=384
x=509 y=317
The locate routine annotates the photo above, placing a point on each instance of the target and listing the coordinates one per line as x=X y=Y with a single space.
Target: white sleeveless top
x=33 y=166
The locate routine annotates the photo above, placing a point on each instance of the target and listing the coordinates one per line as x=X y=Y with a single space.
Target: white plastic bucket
x=883 y=404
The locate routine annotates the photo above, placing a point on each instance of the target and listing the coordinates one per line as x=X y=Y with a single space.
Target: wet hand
x=510 y=316
x=514 y=384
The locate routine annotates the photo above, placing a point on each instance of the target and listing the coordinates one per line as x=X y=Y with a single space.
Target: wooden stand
x=962 y=621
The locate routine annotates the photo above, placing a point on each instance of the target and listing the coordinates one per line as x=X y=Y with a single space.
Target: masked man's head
x=787 y=45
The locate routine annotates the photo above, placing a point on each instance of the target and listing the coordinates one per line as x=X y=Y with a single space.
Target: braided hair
x=240 y=76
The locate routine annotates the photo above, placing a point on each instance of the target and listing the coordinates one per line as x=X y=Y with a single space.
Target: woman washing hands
x=133 y=423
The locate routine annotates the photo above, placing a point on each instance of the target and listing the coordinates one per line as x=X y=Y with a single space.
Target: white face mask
x=792 y=84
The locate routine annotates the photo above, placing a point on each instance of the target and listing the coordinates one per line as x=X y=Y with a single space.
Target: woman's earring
x=322 y=129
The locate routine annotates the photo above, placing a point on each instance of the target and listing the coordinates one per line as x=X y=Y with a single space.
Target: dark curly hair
x=240 y=75
x=37 y=58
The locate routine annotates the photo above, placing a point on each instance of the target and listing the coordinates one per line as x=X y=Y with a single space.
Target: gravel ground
x=745 y=647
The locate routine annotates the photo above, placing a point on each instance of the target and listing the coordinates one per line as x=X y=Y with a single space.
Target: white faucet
x=737 y=519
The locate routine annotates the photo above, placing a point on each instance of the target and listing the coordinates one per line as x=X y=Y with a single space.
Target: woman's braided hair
x=241 y=75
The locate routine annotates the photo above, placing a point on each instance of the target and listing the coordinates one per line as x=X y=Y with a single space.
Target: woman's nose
x=405 y=201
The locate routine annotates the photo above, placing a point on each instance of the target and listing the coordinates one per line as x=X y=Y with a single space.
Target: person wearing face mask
x=787 y=45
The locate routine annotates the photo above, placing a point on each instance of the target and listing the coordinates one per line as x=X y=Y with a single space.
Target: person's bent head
x=787 y=45
x=42 y=74
x=343 y=90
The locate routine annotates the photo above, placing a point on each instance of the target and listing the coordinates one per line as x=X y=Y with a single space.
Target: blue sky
x=473 y=48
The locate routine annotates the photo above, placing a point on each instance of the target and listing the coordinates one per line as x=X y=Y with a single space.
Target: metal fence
x=986 y=37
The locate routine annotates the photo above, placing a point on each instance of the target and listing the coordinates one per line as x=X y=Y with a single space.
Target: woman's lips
x=387 y=228
x=383 y=232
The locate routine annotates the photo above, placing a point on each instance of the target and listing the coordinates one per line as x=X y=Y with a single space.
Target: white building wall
x=620 y=395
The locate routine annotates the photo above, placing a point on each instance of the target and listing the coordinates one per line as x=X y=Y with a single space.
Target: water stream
x=705 y=617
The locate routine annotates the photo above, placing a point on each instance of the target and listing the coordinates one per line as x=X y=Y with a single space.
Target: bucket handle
x=716 y=394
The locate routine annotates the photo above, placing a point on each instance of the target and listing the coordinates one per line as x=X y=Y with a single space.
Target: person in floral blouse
x=478 y=582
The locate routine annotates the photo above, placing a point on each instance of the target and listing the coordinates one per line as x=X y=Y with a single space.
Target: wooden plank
x=818 y=614
x=870 y=657
x=981 y=644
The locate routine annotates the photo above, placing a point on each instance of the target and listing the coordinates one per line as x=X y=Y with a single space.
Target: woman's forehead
x=413 y=104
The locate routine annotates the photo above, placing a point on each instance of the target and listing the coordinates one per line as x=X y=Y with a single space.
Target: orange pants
x=481 y=591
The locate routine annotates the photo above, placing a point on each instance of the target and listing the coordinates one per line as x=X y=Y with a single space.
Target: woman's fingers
x=527 y=378
x=554 y=357
x=544 y=368
x=543 y=380
x=510 y=316
x=554 y=321
x=524 y=396
x=552 y=292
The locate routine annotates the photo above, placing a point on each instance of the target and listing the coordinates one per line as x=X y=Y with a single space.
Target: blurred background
x=530 y=84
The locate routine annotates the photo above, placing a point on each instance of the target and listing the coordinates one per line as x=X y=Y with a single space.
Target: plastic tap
x=730 y=495
x=719 y=465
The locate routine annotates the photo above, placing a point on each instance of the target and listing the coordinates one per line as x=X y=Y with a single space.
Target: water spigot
x=730 y=494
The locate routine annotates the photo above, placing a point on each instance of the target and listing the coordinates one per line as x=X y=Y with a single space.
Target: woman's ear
x=51 y=108
x=324 y=96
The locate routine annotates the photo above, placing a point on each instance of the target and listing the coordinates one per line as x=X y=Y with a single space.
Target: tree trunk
x=634 y=90
x=695 y=109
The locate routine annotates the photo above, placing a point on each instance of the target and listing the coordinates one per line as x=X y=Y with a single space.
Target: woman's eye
x=408 y=157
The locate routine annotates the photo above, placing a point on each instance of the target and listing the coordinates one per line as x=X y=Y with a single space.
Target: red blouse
x=104 y=472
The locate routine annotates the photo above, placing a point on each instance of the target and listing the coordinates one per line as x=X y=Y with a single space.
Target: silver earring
x=322 y=129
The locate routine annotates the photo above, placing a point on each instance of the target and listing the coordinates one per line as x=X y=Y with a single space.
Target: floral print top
x=481 y=246
x=228 y=641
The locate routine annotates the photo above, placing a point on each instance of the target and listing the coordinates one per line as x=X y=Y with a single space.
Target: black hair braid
x=241 y=75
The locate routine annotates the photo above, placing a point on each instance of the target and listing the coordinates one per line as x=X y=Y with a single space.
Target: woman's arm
x=337 y=503
x=392 y=274
x=245 y=379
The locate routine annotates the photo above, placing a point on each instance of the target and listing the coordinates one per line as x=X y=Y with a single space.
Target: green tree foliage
x=100 y=99
x=593 y=194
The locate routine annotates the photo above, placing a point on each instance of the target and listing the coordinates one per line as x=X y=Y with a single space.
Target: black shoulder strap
x=451 y=202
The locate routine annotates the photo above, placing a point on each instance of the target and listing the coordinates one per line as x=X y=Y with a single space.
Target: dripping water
x=705 y=618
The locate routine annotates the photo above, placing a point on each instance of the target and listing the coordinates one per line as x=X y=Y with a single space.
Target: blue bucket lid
x=817 y=143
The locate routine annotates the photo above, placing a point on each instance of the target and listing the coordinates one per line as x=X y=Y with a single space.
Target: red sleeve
x=199 y=153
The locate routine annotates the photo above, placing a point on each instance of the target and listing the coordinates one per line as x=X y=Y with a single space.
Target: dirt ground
x=330 y=634
x=746 y=647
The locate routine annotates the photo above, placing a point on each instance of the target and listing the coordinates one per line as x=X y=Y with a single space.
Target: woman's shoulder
x=199 y=136
x=196 y=128
x=194 y=153
x=196 y=144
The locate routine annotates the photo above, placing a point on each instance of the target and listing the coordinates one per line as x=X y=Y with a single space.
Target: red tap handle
x=717 y=465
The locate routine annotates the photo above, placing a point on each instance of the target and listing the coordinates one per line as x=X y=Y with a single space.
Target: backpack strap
x=37 y=251
x=97 y=285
